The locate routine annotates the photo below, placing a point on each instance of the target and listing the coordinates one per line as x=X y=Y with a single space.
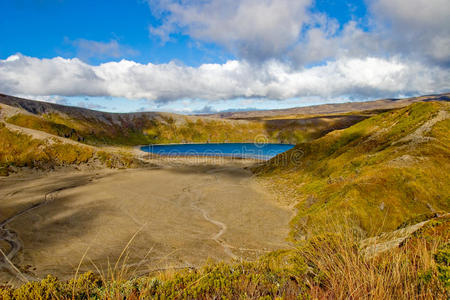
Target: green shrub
x=442 y=258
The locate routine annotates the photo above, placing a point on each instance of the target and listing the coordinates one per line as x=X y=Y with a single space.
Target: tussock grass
x=21 y=150
x=327 y=266
x=119 y=159
x=377 y=173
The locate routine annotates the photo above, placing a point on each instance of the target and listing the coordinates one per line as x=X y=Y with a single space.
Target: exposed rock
x=387 y=241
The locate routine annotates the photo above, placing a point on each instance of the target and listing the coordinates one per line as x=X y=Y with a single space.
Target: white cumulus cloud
x=367 y=77
x=415 y=27
x=254 y=29
x=258 y=30
x=283 y=50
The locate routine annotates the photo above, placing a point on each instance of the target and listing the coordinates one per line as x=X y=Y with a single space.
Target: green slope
x=374 y=175
x=19 y=150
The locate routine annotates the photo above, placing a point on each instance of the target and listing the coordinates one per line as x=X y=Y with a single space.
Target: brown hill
x=337 y=108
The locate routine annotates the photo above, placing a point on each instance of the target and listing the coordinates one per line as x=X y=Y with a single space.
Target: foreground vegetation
x=326 y=266
x=387 y=173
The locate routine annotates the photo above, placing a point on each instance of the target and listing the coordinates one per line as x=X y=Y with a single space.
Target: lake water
x=237 y=150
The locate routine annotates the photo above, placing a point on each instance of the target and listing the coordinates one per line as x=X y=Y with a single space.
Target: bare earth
x=180 y=216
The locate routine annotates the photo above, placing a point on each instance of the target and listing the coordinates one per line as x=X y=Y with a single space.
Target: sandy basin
x=180 y=216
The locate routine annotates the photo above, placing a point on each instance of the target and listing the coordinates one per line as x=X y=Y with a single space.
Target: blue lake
x=237 y=150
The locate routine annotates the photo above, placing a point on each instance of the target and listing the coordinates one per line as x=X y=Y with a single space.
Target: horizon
x=229 y=110
x=210 y=57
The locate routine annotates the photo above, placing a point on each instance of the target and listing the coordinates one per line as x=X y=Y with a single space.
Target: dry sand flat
x=183 y=215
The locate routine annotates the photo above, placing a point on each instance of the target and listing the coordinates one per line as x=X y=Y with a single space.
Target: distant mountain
x=337 y=108
x=39 y=107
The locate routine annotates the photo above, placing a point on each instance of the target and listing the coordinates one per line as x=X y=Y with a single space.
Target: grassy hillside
x=100 y=128
x=374 y=175
x=168 y=129
x=294 y=126
x=21 y=150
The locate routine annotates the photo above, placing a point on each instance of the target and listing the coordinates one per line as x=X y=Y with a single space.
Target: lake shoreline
x=258 y=152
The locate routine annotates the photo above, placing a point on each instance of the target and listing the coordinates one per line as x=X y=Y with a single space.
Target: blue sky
x=49 y=28
x=205 y=56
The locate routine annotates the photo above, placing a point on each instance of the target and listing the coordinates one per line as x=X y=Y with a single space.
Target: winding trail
x=11 y=237
x=223 y=228
x=195 y=198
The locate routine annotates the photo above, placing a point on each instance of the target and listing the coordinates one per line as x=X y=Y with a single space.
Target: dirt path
x=14 y=242
x=223 y=227
x=217 y=237
x=184 y=216
x=11 y=237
